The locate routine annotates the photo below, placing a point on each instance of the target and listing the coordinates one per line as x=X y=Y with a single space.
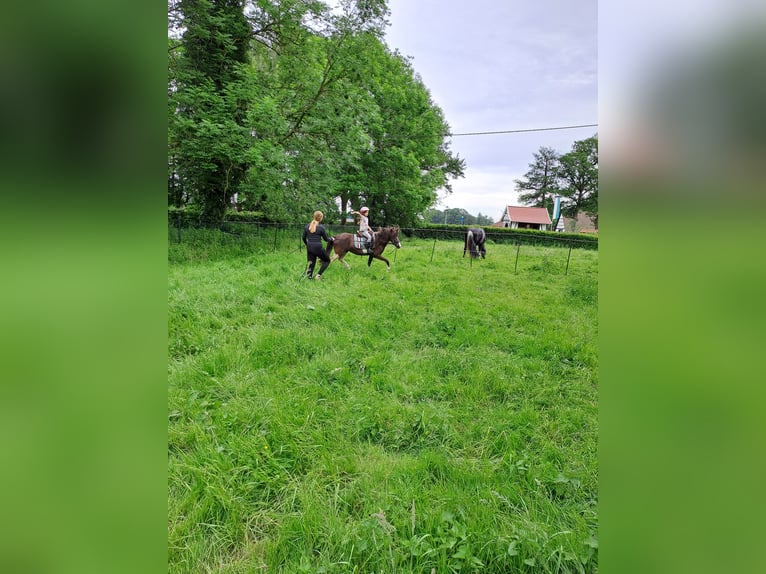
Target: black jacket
x=314 y=239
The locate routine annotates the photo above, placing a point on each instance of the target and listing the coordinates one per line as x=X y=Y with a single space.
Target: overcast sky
x=494 y=65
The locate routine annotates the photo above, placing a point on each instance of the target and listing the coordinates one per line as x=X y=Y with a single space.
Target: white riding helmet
x=364 y=210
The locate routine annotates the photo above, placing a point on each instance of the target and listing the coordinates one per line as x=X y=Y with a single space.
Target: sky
x=497 y=65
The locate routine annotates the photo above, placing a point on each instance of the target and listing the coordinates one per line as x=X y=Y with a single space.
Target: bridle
x=394 y=237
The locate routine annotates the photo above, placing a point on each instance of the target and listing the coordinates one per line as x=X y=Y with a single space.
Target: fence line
x=178 y=222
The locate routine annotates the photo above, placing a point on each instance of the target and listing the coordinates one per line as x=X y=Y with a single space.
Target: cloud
x=493 y=66
x=482 y=191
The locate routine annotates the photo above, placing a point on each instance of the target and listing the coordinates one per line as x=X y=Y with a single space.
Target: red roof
x=529 y=214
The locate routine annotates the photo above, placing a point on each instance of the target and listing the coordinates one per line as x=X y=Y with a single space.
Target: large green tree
x=579 y=179
x=311 y=113
x=316 y=113
x=210 y=98
x=176 y=195
x=540 y=183
x=409 y=159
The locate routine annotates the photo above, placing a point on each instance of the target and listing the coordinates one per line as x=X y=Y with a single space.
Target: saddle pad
x=360 y=243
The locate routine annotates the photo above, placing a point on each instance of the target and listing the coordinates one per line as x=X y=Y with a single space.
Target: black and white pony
x=474 y=242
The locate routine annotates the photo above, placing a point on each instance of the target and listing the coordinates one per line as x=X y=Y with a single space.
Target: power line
x=529 y=130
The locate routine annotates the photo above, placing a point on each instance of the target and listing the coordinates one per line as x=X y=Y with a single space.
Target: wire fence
x=287 y=236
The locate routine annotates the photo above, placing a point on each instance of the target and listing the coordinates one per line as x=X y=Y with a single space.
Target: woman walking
x=313 y=233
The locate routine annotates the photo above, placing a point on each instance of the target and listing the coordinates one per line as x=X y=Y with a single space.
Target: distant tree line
x=456 y=216
x=572 y=176
x=288 y=106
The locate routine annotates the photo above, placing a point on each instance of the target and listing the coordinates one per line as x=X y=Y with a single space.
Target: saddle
x=361 y=243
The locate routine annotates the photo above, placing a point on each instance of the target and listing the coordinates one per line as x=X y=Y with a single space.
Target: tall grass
x=440 y=417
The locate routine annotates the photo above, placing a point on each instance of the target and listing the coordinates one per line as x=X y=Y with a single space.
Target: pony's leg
x=343 y=260
x=383 y=259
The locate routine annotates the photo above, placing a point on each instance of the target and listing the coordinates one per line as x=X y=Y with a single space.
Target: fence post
x=276 y=228
x=566 y=272
x=178 y=221
x=518 y=246
x=432 y=250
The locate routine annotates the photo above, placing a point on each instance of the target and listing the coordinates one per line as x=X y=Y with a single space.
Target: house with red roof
x=517 y=217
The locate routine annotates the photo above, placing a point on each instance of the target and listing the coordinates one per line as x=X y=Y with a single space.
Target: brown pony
x=344 y=243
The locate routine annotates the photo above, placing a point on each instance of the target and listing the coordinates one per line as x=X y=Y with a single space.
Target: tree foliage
x=541 y=183
x=209 y=99
x=456 y=216
x=572 y=176
x=579 y=178
x=294 y=107
x=408 y=159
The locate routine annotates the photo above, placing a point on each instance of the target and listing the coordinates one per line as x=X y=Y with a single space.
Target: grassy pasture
x=440 y=417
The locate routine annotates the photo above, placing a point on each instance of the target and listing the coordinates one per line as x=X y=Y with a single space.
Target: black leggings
x=314 y=251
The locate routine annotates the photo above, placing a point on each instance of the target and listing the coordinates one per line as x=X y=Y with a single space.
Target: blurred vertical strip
x=683 y=145
x=83 y=329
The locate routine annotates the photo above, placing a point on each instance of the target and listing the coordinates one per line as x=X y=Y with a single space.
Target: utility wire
x=519 y=131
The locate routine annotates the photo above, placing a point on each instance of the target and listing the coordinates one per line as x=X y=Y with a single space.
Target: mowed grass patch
x=442 y=415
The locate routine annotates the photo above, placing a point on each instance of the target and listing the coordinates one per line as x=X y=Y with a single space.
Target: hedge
x=192 y=213
x=190 y=216
x=506 y=235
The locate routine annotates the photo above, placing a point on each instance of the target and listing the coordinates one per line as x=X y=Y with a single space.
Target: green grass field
x=440 y=417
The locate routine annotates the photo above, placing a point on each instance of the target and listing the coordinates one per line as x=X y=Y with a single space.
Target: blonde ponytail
x=318 y=216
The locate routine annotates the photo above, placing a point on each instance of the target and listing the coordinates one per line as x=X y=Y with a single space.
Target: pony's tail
x=330 y=245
